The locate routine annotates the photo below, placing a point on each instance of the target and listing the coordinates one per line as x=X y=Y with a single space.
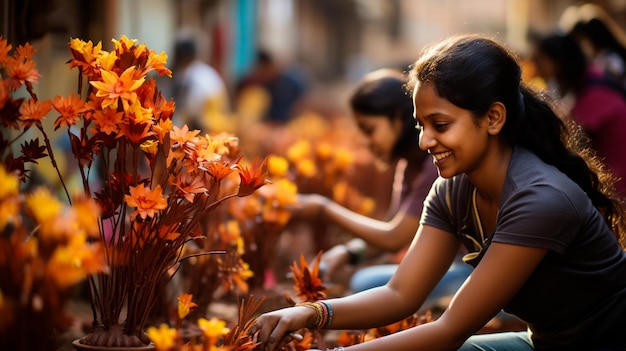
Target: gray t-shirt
x=576 y=298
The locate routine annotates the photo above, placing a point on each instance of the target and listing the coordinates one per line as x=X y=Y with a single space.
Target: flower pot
x=82 y=347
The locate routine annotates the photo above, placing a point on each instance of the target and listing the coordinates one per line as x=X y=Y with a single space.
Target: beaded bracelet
x=323 y=311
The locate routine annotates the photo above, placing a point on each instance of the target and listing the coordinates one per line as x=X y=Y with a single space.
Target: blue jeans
x=373 y=276
x=508 y=341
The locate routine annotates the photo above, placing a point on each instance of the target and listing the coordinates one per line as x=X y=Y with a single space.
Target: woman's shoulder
x=528 y=175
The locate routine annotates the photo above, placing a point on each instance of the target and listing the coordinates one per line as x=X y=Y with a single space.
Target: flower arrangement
x=153 y=182
x=215 y=333
x=37 y=272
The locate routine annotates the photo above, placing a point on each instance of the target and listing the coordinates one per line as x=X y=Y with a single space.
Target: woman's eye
x=441 y=126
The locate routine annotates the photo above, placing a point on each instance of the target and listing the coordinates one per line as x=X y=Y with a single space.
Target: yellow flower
x=10 y=184
x=306 y=167
x=9 y=212
x=163 y=337
x=299 y=150
x=43 y=205
x=113 y=88
x=185 y=305
x=150 y=147
x=212 y=329
x=277 y=166
x=344 y=158
x=324 y=151
x=139 y=113
x=124 y=44
x=107 y=60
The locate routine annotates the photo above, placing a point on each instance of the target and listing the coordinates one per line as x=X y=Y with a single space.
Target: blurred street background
x=334 y=42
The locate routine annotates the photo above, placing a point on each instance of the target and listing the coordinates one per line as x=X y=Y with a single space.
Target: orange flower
x=136 y=133
x=190 y=185
x=252 y=177
x=219 y=169
x=308 y=285
x=146 y=201
x=5 y=48
x=70 y=108
x=162 y=128
x=185 y=305
x=34 y=111
x=108 y=120
x=20 y=71
x=114 y=88
x=183 y=135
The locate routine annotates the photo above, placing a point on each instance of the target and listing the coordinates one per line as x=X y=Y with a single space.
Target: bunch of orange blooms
x=152 y=182
x=37 y=272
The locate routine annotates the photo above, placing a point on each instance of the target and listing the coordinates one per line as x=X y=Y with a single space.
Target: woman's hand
x=272 y=330
x=309 y=206
x=332 y=260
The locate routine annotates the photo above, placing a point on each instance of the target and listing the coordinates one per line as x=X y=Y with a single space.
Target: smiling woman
x=540 y=221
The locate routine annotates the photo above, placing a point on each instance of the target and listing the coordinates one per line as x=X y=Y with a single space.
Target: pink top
x=601 y=112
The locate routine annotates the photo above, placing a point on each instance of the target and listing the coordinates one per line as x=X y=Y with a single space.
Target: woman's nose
x=425 y=140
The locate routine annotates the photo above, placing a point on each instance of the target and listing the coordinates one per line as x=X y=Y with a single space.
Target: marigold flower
x=277 y=166
x=43 y=205
x=70 y=108
x=34 y=111
x=10 y=184
x=300 y=150
x=343 y=158
x=185 y=305
x=114 y=88
x=162 y=337
x=146 y=201
x=324 y=151
x=70 y=263
x=306 y=168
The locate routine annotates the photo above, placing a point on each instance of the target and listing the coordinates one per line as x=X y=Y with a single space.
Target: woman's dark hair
x=473 y=72
x=383 y=92
x=568 y=58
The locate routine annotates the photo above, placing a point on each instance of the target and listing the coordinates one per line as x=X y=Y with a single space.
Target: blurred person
x=592 y=99
x=600 y=38
x=542 y=230
x=198 y=89
x=383 y=111
x=286 y=86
